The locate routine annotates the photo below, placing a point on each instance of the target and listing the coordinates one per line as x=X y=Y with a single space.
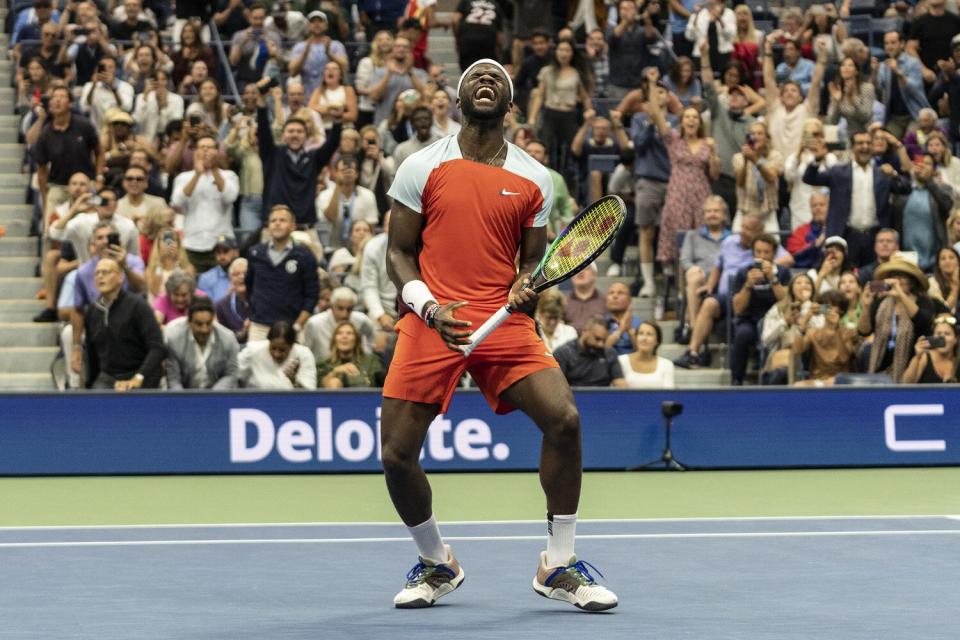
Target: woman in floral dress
x=693 y=164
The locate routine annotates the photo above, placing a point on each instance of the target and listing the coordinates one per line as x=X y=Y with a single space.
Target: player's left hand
x=522 y=297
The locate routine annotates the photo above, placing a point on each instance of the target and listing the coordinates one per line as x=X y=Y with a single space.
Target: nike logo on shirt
x=504 y=192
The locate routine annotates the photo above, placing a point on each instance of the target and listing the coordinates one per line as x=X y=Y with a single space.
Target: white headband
x=487 y=61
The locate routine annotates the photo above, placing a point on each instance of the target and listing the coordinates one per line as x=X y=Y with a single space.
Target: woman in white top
x=381 y=47
x=443 y=124
x=550 y=311
x=332 y=97
x=644 y=369
x=948 y=166
x=156 y=107
x=794 y=168
x=278 y=362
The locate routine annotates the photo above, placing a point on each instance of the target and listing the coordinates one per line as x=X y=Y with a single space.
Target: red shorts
x=424 y=370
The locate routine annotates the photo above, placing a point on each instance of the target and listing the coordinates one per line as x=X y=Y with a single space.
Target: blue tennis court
x=837 y=578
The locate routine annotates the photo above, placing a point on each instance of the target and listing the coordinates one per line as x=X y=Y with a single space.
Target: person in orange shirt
x=464 y=208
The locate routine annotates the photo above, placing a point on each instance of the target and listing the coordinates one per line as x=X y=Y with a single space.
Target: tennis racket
x=571 y=252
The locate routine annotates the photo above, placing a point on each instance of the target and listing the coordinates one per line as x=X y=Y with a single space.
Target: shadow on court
x=833 y=578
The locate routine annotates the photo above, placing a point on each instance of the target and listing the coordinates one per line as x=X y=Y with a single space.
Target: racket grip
x=487 y=328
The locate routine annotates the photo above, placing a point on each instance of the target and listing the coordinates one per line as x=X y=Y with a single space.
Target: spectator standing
x=628 y=42
x=794 y=67
x=249 y=48
x=716 y=26
x=900 y=83
x=381 y=14
x=443 y=123
x=948 y=84
x=277 y=362
x=935 y=365
x=77 y=228
x=166 y=257
x=344 y=202
x=422 y=122
x=124 y=346
x=598 y=56
x=915 y=142
x=289 y=171
x=281 y=279
x=747 y=44
x=243 y=150
x=680 y=12
x=930 y=38
x=682 y=82
x=758 y=287
x=598 y=143
x=380 y=50
x=587 y=361
x=795 y=166
x=562 y=211
x=130 y=21
x=541 y=42
x=787 y=110
x=86 y=51
x=478 y=31
x=233 y=310
x=376 y=170
x=201 y=354
x=758 y=168
x=584 y=302
x=309 y=58
x=332 y=98
x=698 y=254
x=859 y=195
x=206 y=196
x=105 y=91
x=192 y=48
x=925 y=214
x=68 y=144
x=394 y=78
x=806 y=242
x=693 y=162
x=643 y=368
x=215 y=282
x=348 y=365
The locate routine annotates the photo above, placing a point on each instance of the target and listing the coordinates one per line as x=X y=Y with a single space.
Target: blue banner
x=163 y=433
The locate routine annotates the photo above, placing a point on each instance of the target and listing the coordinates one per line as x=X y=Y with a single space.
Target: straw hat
x=898 y=265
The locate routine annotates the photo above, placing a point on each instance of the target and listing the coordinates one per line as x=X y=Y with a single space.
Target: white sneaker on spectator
x=649 y=289
x=613 y=271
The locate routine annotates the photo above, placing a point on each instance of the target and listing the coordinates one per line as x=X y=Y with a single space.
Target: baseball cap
x=225 y=242
x=317 y=14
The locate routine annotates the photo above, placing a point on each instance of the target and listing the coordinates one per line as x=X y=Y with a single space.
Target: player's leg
x=545 y=396
x=403 y=428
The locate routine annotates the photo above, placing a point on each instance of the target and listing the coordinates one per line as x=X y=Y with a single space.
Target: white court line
x=253 y=525
x=613 y=536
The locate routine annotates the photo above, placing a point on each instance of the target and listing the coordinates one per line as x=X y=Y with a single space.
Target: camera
x=101 y=67
x=81 y=31
x=758 y=264
x=937 y=342
x=113 y=239
x=95 y=201
x=195 y=120
x=879 y=286
x=751 y=140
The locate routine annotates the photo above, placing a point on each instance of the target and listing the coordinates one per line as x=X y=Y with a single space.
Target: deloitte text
x=254 y=436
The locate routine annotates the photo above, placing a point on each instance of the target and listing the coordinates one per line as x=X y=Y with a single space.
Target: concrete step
x=10 y=212
x=11 y=164
x=7 y=121
x=10 y=150
x=15 y=229
x=19 y=287
x=26 y=359
x=7 y=134
x=673 y=351
x=27 y=381
x=18 y=247
x=12 y=194
x=695 y=378
x=16 y=179
x=28 y=334
x=18 y=267
x=20 y=310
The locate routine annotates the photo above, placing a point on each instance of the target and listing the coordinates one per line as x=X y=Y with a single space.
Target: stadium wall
x=167 y=433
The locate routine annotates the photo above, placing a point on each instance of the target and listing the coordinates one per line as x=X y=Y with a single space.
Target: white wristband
x=416 y=295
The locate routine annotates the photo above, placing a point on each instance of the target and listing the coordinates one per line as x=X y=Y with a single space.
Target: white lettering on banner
x=890 y=415
x=352 y=440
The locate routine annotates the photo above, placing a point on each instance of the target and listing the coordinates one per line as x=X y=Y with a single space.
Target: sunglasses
x=134 y=178
x=950 y=320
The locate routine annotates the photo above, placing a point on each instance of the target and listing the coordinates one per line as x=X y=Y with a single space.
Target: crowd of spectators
x=216 y=175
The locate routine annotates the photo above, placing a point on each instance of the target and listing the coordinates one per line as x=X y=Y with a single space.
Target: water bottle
x=658 y=308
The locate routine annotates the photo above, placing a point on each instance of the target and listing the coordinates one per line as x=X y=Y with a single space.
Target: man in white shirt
x=104 y=92
x=717 y=17
x=318 y=330
x=379 y=292
x=787 y=111
x=206 y=196
x=137 y=203
x=78 y=224
x=342 y=203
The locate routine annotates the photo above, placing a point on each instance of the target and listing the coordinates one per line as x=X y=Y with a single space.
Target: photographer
x=759 y=286
x=248 y=48
x=832 y=346
x=936 y=361
x=757 y=169
x=157 y=106
x=184 y=143
x=85 y=215
x=88 y=45
x=104 y=92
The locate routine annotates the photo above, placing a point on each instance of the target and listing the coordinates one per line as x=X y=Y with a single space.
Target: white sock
x=429 y=543
x=561 y=531
x=647 y=271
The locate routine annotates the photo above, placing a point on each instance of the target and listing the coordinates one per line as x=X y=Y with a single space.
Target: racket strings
x=583 y=238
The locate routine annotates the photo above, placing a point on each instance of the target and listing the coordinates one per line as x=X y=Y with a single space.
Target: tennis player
x=464 y=209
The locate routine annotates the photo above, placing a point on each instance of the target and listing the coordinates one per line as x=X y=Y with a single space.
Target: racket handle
x=487 y=328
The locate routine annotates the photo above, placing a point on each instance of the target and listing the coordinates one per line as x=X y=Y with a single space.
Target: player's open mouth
x=485 y=95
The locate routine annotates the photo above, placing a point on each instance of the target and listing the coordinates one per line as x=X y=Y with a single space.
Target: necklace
x=494 y=156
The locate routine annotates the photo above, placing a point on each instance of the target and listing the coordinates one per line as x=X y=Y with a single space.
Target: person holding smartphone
x=936 y=361
x=831 y=346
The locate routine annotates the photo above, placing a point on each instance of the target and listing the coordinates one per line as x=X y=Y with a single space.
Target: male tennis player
x=463 y=209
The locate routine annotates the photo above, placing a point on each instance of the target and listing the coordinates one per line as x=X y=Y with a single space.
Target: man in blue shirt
x=925 y=213
x=795 y=67
x=216 y=282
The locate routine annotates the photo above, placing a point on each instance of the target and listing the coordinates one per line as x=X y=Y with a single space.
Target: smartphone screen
x=114 y=239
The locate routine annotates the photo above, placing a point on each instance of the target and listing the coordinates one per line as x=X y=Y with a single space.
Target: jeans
x=251 y=209
x=744 y=340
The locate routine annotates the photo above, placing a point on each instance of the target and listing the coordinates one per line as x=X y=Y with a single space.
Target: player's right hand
x=452 y=330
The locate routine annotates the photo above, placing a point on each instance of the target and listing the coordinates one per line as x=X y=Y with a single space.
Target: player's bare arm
x=402 y=267
x=533 y=244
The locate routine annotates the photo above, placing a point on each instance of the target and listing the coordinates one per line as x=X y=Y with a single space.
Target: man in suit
x=200 y=353
x=859 y=196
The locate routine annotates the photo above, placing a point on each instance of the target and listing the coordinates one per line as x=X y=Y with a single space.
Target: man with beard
x=475 y=186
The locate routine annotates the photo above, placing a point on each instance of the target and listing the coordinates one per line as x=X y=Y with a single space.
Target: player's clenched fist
x=522 y=296
x=452 y=330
